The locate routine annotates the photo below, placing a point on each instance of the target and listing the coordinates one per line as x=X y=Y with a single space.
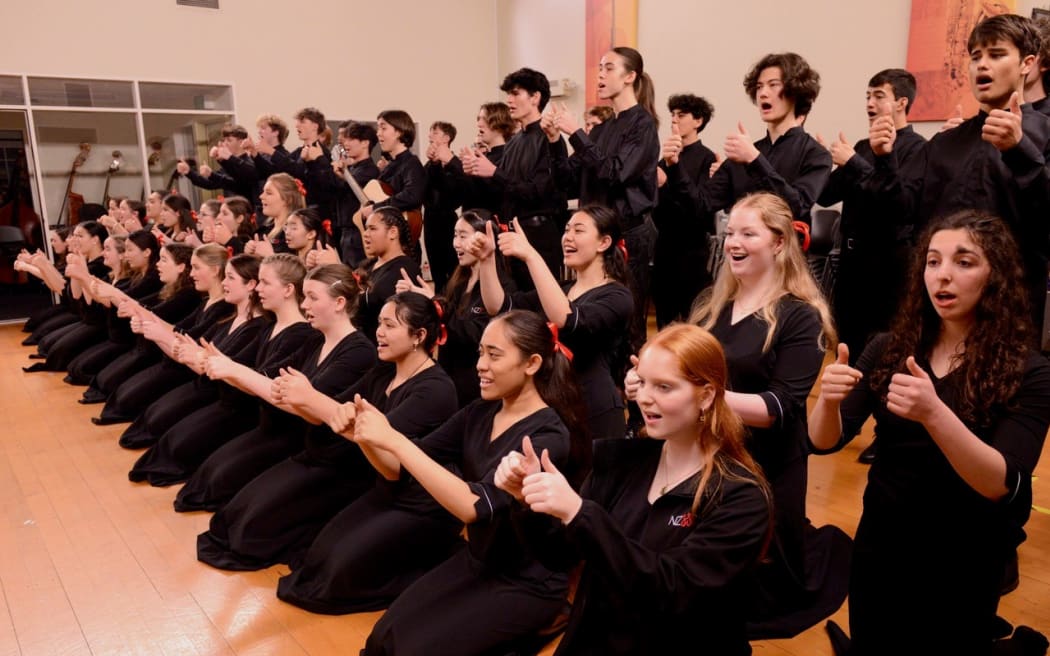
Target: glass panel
x=11 y=90
x=62 y=92
x=156 y=95
x=77 y=154
x=171 y=137
x=20 y=293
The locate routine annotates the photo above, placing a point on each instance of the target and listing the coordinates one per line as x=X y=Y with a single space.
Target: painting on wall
x=937 y=54
x=610 y=23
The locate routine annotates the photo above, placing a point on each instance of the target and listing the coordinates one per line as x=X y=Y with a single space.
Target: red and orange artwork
x=938 y=57
x=610 y=23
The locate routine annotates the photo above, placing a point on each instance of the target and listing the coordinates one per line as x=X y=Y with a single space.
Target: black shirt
x=614 y=166
x=443 y=193
x=236 y=177
x=683 y=225
x=482 y=192
x=345 y=203
x=524 y=177
x=382 y=283
x=406 y=177
x=794 y=167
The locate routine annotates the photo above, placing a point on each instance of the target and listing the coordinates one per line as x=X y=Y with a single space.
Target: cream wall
x=351 y=58
x=706 y=47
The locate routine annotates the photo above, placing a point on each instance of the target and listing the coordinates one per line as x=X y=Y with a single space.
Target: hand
x=320 y=255
x=221 y=234
x=190 y=238
x=515 y=466
x=839 y=378
x=739 y=147
x=483 y=167
x=127 y=308
x=912 y=396
x=182 y=167
x=717 y=164
x=955 y=120
x=382 y=163
x=882 y=134
x=213 y=152
x=204 y=170
x=264 y=148
x=371 y=427
x=405 y=284
x=548 y=492
x=565 y=121
x=482 y=246
x=661 y=177
x=342 y=422
x=431 y=153
x=224 y=153
x=1002 y=128
x=549 y=127
x=291 y=387
x=672 y=147
x=186 y=351
x=311 y=152
x=259 y=246
x=337 y=166
x=443 y=153
x=631 y=382
x=132 y=224
x=248 y=146
x=514 y=243
x=153 y=330
x=217 y=366
x=467 y=158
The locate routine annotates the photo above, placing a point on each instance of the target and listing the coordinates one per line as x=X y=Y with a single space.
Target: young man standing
x=524 y=177
x=442 y=196
x=357 y=141
x=231 y=177
x=403 y=175
x=682 y=247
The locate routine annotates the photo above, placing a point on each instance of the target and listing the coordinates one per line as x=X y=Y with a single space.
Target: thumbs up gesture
x=342 y=421
x=514 y=243
x=548 y=492
x=955 y=120
x=1002 y=128
x=841 y=150
x=839 y=378
x=882 y=134
x=739 y=146
x=483 y=244
x=564 y=120
x=911 y=395
x=217 y=365
x=672 y=147
x=291 y=387
x=631 y=381
x=515 y=466
x=371 y=427
x=715 y=165
x=405 y=284
x=259 y=246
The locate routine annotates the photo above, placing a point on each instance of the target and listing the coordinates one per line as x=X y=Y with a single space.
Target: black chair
x=12 y=241
x=824 y=247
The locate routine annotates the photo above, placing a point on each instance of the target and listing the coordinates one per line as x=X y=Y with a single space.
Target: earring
x=702 y=417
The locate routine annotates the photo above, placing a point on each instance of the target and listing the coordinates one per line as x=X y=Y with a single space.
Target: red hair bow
x=193 y=215
x=160 y=239
x=558 y=346
x=443 y=337
x=622 y=246
x=300 y=187
x=220 y=198
x=327 y=225
x=229 y=251
x=803 y=232
x=252 y=219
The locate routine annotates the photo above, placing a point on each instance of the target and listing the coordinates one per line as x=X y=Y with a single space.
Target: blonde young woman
x=281 y=195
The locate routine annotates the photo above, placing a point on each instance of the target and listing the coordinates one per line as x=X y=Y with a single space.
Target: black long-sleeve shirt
x=794 y=167
x=482 y=193
x=345 y=203
x=443 y=192
x=682 y=223
x=319 y=191
x=406 y=177
x=525 y=179
x=615 y=165
x=234 y=177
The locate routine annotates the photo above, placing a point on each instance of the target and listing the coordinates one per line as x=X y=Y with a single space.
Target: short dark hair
x=601 y=112
x=530 y=81
x=801 y=83
x=360 y=131
x=311 y=114
x=1018 y=30
x=402 y=122
x=902 y=82
x=234 y=130
x=497 y=117
x=445 y=127
x=687 y=103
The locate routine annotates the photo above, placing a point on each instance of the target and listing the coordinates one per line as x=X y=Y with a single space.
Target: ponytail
x=644 y=91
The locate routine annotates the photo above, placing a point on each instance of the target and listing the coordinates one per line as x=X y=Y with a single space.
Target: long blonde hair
x=793 y=276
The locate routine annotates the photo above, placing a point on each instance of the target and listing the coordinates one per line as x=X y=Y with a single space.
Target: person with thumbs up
x=995 y=161
x=961 y=401
x=873 y=256
x=684 y=230
x=662 y=549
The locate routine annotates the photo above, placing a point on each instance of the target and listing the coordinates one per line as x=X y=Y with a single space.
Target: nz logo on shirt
x=682 y=521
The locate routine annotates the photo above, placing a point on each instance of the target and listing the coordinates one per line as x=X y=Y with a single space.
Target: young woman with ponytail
x=592 y=313
x=133 y=395
x=387 y=242
x=234 y=224
x=281 y=195
x=305 y=230
x=330 y=297
x=176 y=222
x=236 y=336
x=615 y=165
x=670 y=527
x=491 y=596
x=276 y=517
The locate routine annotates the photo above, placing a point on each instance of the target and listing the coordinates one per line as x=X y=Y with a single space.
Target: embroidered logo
x=682 y=521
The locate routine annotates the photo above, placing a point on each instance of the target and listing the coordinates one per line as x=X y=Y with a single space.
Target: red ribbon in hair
x=300 y=187
x=220 y=198
x=622 y=246
x=357 y=278
x=503 y=227
x=327 y=225
x=803 y=232
x=193 y=215
x=229 y=251
x=160 y=238
x=558 y=346
x=443 y=337
x=252 y=219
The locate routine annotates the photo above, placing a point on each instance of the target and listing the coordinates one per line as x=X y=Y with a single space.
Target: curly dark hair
x=801 y=83
x=994 y=353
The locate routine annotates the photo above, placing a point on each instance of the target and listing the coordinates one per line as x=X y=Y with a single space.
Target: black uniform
x=930 y=551
x=459 y=354
x=236 y=177
x=441 y=198
x=75 y=338
x=656 y=572
x=596 y=333
x=311 y=174
x=681 y=251
x=493 y=593
x=346 y=204
x=483 y=192
x=255 y=530
x=382 y=282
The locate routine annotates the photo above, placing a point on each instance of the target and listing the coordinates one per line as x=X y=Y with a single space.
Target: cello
x=72 y=201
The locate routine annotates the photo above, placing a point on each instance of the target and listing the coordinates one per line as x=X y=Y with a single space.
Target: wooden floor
x=93 y=564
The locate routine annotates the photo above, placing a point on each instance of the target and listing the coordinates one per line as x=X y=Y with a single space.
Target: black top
x=596 y=333
x=147 y=286
x=406 y=177
x=294 y=165
x=525 y=177
x=1042 y=106
x=236 y=177
x=656 y=572
x=382 y=282
x=782 y=376
x=171 y=310
x=795 y=168
x=482 y=192
x=202 y=322
x=345 y=203
x=459 y=354
x=94 y=314
x=862 y=217
x=614 y=166
x=683 y=225
x=283 y=350
x=913 y=484
x=443 y=192
x=466 y=442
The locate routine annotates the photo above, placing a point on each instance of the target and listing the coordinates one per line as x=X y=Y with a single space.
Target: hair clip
x=558 y=346
x=622 y=247
x=803 y=233
x=327 y=225
x=229 y=251
x=300 y=187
